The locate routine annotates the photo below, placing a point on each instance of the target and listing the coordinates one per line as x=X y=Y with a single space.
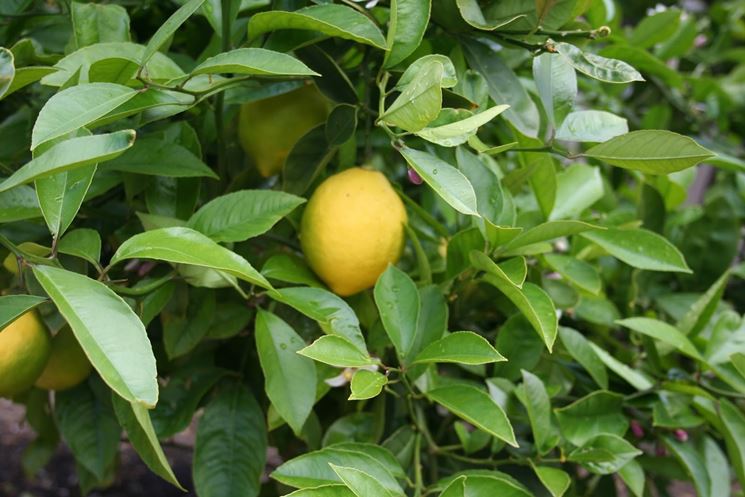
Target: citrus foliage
x=412 y=248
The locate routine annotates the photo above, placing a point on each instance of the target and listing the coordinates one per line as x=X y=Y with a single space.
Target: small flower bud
x=414 y=177
x=636 y=429
x=681 y=435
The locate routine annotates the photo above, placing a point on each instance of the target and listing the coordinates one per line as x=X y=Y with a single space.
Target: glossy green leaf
x=166 y=30
x=635 y=378
x=580 y=349
x=290 y=269
x=14 y=306
x=71 y=154
x=61 y=195
x=107 y=329
x=640 y=248
x=504 y=87
x=82 y=242
x=733 y=421
x=254 y=61
x=595 y=66
x=360 y=483
x=186 y=246
x=244 y=214
x=591 y=126
x=76 y=107
x=596 y=414
x=18 y=204
x=512 y=270
x=456 y=488
x=491 y=201
x=333 y=314
x=662 y=332
x=718 y=468
x=655 y=28
x=700 y=313
x=156 y=157
x=313 y=468
x=476 y=407
x=330 y=19
x=693 y=463
x=446 y=180
x=549 y=231
x=367 y=384
x=135 y=419
x=632 y=475
x=96 y=23
x=577 y=188
x=461 y=347
x=534 y=303
x=458 y=132
x=556 y=82
x=338 y=351
x=474 y=16
x=449 y=74
x=651 y=151
x=289 y=378
x=332 y=490
x=576 y=271
x=397 y=299
x=25 y=76
x=556 y=481
x=7 y=70
x=406 y=27
x=230 y=449
x=604 y=454
x=420 y=101
x=538 y=404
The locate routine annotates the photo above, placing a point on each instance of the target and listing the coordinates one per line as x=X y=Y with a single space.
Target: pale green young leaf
x=366 y=384
x=460 y=347
x=335 y=350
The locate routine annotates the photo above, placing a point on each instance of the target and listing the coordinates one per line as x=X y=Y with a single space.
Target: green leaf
x=76 y=107
x=576 y=271
x=71 y=154
x=577 y=188
x=490 y=198
x=555 y=480
x=107 y=329
x=512 y=270
x=632 y=475
x=18 y=204
x=334 y=490
x=397 y=299
x=84 y=243
x=591 y=126
x=700 y=313
x=581 y=350
x=449 y=74
x=604 y=454
x=25 y=76
x=181 y=334
x=332 y=20
x=306 y=160
x=420 y=101
x=336 y=350
x=534 y=303
x=88 y=426
x=693 y=463
x=230 y=449
x=595 y=66
x=313 y=469
x=596 y=414
x=186 y=246
x=456 y=133
x=7 y=70
x=367 y=384
x=360 y=483
x=556 y=82
x=634 y=378
x=662 y=332
x=461 y=347
x=456 y=488
x=244 y=214
x=255 y=62
x=734 y=432
x=640 y=248
x=406 y=27
x=504 y=87
x=289 y=379
x=447 y=181
x=651 y=151
x=476 y=407
x=656 y=28
x=94 y=23
x=473 y=15
x=549 y=231
x=538 y=405
x=341 y=124
x=166 y=30
x=718 y=468
x=135 y=419
x=61 y=195
x=332 y=313
x=14 y=306
x=156 y=157
x=290 y=269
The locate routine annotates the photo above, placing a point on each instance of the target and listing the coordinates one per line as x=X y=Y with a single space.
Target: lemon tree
x=390 y=248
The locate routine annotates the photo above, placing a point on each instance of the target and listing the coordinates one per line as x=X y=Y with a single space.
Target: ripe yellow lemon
x=67 y=365
x=24 y=349
x=269 y=128
x=352 y=228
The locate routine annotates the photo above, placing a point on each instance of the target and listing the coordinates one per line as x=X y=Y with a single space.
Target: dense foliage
x=567 y=314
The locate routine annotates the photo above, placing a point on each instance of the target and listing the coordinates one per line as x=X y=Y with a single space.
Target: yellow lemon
x=67 y=365
x=24 y=350
x=352 y=228
x=269 y=128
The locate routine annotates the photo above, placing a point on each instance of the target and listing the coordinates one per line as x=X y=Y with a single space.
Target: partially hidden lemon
x=67 y=365
x=269 y=128
x=352 y=228
x=11 y=263
x=24 y=349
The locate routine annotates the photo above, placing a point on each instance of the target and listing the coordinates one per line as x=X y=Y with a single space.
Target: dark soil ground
x=58 y=478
